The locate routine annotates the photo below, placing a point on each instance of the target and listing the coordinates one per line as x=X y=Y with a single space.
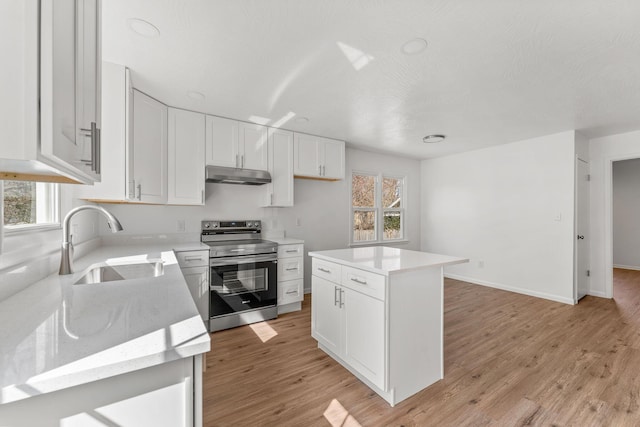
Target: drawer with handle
x=290 y=251
x=363 y=281
x=290 y=269
x=291 y=291
x=326 y=269
x=193 y=258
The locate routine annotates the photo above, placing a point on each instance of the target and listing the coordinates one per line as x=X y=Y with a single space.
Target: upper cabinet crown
x=318 y=157
x=236 y=144
x=53 y=85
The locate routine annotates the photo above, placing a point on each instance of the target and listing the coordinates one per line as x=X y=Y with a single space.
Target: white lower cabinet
x=195 y=269
x=351 y=325
x=290 y=277
x=169 y=394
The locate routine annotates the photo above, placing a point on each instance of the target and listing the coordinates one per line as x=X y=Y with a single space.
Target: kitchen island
x=122 y=352
x=378 y=311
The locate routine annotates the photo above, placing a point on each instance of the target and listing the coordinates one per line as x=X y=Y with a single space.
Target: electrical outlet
x=181 y=225
x=480 y=263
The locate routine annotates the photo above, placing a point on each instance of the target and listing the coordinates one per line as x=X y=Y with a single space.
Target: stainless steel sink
x=110 y=273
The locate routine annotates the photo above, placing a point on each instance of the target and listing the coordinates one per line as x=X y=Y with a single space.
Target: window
x=377 y=211
x=27 y=205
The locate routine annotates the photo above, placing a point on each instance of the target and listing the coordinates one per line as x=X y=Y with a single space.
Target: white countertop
x=386 y=260
x=56 y=335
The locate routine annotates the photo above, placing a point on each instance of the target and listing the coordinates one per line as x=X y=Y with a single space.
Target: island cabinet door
x=326 y=314
x=364 y=335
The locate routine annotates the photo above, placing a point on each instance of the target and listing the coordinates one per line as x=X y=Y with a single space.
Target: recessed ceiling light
x=415 y=46
x=199 y=96
x=143 y=28
x=430 y=139
x=302 y=120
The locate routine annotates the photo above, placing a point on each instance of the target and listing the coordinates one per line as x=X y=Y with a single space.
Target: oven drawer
x=290 y=251
x=235 y=303
x=290 y=269
x=326 y=269
x=291 y=291
x=193 y=258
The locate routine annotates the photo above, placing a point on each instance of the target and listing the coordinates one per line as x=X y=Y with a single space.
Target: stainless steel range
x=243 y=273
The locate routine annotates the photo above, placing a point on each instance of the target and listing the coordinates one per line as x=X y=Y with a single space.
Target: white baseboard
x=600 y=294
x=551 y=297
x=626 y=267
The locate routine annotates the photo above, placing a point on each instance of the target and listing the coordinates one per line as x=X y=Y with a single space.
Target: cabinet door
x=333 y=164
x=253 y=146
x=61 y=136
x=364 y=343
x=197 y=279
x=149 y=148
x=186 y=143
x=222 y=142
x=290 y=268
x=326 y=314
x=280 y=190
x=306 y=155
x=88 y=84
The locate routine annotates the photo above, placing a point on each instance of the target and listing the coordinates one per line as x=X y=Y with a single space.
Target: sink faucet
x=66 y=256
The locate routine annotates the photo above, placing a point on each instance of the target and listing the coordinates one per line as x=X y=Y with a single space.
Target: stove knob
x=207 y=225
x=215 y=225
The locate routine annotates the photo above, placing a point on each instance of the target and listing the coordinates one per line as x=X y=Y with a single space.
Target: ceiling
x=494 y=71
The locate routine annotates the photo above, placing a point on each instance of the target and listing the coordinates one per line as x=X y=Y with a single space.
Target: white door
x=333 y=165
x=280 y=190
x=364 y=335
x=222 y=142
x=326 y=314
x=186 y=143
x=253 y=144
x=306 y=154
x=582 y=229
x=149 y=149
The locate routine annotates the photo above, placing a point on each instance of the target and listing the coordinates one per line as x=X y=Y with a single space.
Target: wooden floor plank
x=510 y=360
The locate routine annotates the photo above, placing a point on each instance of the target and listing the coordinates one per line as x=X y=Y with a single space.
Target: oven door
x=242 y=283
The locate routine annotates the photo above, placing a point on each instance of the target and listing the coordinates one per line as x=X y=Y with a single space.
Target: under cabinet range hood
x=225 y=175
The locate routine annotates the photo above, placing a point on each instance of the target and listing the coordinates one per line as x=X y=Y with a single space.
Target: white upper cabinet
x=317 y=157
x=148 y=149
x=222 y=142
x=236 y=144
x=253 y=146
x=186 y=157
x=279 y=192
x=68 y=75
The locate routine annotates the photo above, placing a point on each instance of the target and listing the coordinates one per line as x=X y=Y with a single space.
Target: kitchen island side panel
x=415 y=330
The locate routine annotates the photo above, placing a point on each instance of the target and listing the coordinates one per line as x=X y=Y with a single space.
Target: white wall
x=603 y=152
x=323 y=208
x=510 y=209
x=626 y=214
x=27 y=257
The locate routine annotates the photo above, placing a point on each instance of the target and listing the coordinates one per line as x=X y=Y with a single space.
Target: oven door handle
x=225 y=261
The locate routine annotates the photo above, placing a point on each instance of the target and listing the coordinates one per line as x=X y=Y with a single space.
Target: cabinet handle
x=139 y=187
x=320 y=170
x=242 y=160
x=324 y=171
x=341 y=301
x=324 y=270
x=335 y=295
x=292 y=251
x=362 y=282
x=97 y=157
x=271 y=199
x=291 y=292
x=193 y=258
x=292 y=269
x=237 y=161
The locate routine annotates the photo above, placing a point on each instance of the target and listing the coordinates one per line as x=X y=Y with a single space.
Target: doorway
x=625 y=215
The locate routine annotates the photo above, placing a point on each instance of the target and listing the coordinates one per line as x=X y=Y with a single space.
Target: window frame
x=379 y=210
x=52 y=204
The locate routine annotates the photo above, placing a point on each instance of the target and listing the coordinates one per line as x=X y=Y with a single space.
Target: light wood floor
x=510 y=360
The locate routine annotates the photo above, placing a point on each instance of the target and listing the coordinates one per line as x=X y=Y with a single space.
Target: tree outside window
x=27 y=204
x=377 y=210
